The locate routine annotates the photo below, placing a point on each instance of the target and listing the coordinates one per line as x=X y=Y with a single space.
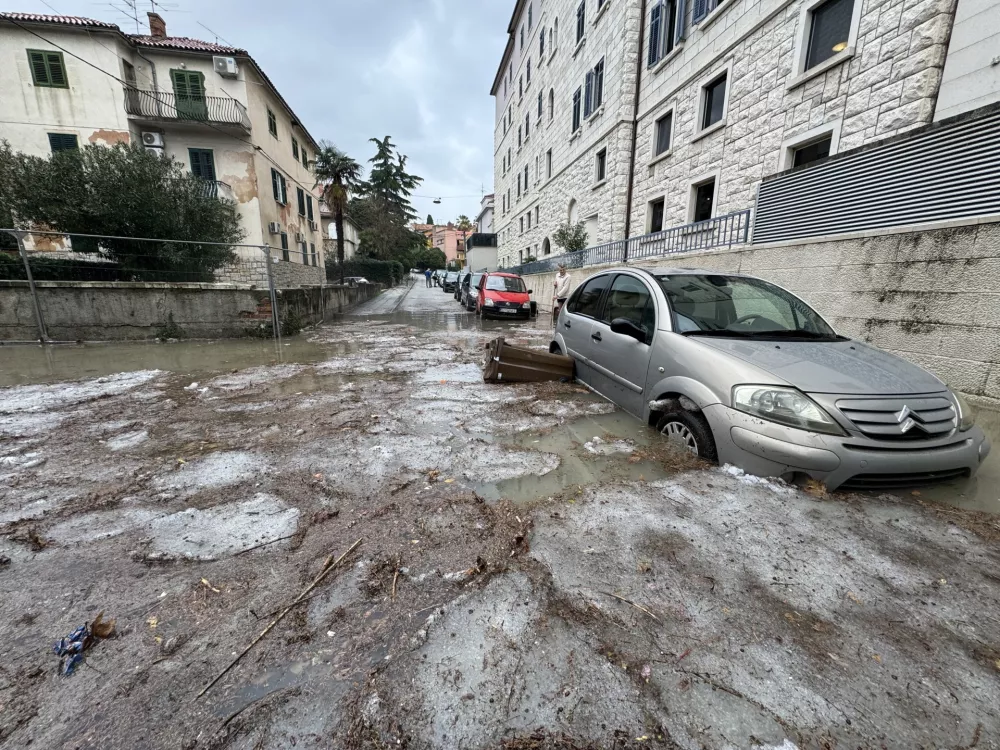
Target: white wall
x=972 y=68
x=92 y=107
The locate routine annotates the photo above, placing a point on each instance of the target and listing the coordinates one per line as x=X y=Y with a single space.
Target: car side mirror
x=626 y=327
x=531 y=291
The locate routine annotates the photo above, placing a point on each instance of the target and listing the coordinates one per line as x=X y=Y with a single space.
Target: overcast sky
x=418 y=70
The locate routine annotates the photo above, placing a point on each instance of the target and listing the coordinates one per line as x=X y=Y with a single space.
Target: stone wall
x=288 y=274
x=932 y=297
x=889 y=85
x=113 y=311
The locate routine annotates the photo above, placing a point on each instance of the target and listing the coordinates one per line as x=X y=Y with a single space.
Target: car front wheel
x=689 y=431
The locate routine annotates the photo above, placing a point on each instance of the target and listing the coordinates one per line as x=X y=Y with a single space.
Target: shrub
x=387 y=272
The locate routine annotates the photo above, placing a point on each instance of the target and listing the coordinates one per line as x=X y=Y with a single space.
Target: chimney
x=157 y=26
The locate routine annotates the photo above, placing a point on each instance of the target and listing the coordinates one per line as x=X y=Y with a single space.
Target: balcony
x=165 y=105
x=217 y=189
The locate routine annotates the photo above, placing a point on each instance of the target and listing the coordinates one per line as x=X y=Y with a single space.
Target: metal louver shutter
x=946 y=172
x=57 y=74
x=38 y=70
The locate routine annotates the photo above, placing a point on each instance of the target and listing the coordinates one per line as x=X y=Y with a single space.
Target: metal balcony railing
x=164 y=105
x=720 y=231
x=217 y=189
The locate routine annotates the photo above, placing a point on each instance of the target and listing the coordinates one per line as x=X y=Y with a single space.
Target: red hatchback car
x=503 y=295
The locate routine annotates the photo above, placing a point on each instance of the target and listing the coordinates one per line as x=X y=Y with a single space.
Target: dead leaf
x=816 y=489
x=152 y=622
x=853 y=598
x=102 y=629
x=997 y=664
x=206 y=584
x=877 y=658
x=915 y=493
x=181 y=461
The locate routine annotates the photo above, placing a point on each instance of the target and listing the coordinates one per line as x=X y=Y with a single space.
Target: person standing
x=560 y=290
x=427 y=275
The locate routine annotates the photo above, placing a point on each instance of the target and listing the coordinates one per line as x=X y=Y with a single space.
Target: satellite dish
x=437 y=200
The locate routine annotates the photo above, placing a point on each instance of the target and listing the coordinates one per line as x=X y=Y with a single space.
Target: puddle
x=578 y=466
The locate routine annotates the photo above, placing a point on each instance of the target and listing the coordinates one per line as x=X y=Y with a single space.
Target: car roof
x=674 y=271
x=503 y=273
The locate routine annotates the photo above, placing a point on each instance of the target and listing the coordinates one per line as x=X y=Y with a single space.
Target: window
x=522 y=225
x=528 y=72
x=526 y=178
x=301 y=195
x=272 y=123
x=189 y=94
x=304 y=248
x=309 y=207
x=529 y=219
x=529 y=16
x=548 y=164
x=600 y=4
x=63 y=142
x=538 y=215
x=661 y=135
x=703 y=7
x=518 y=184
x=305 y=158
x=829 y=30
x=527 y=125
x=541 y=45
x=522 y=37
x=601 y=165
x=538 y=168
x=594 y=88
x=540 y=100
x=202 y=163
x=587 y=299
x=519 y=136
x=576 y=109
x=546 y=246
x=284 y=246
x=703 y=198
x=552 y=104
x=664 y=30
x=630 y=299
x=581 y=21
x=279 y=187
x=655 y=212
x=47 y=69
x=312 y=252
x=812 y=152
x=520 y=87
x=295 y=149
x=714 y=102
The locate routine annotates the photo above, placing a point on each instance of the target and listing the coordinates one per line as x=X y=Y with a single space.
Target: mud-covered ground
x=518 y=583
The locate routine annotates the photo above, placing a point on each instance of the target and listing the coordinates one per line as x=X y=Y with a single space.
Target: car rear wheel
x=689 y=431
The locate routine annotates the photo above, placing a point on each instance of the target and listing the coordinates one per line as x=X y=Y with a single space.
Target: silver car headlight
x=526 y=306
x=966 y=419
x=488 y=302
x=785 y=406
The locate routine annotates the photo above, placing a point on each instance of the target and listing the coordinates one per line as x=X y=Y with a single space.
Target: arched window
x=555 y=36
x=573 y=213
x=546 y=247
x=552 y=103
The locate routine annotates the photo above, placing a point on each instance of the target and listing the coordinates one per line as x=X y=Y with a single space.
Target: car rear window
x=505 y=284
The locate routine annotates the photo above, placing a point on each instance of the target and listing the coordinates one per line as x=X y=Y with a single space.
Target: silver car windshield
x=740 y=307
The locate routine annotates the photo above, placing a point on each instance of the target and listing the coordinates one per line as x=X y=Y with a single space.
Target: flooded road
x=528 y=556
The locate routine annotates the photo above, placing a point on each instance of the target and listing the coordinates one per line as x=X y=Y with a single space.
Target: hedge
x=61 y=269
x=388 y=272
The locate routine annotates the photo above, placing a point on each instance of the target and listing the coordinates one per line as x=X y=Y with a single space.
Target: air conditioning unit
x=274 y=227
x=312 y=225
x=152 y=139
x=225 y=66
x=299 y=237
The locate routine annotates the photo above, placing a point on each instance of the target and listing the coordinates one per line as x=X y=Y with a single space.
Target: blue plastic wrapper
x=70 y=649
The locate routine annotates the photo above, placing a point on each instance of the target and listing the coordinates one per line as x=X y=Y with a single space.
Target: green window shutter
x=309 y=207
x=295 y=149
x=305 y=159
x=39 y=72
x=57 y=71
x=272 y=123
x=284 y=189
x=63 y=142
x=47 y=68
x=202 y=163
x=300 y=194
x=274 y=186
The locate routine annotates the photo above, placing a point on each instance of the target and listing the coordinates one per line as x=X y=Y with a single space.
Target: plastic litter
x=70 y=649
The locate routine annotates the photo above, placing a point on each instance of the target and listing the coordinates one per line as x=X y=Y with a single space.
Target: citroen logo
x=905 y=420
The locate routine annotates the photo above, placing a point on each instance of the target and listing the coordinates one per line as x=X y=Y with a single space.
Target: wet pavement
x=530 y=557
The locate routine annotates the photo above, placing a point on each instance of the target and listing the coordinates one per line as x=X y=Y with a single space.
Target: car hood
x=831 y=367
x=506 y=296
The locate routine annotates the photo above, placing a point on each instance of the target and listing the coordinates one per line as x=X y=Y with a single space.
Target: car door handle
x=567 y=324
x=596 y=336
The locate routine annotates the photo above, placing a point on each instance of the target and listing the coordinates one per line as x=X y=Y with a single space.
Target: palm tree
x=463 y=222
x=339 y=175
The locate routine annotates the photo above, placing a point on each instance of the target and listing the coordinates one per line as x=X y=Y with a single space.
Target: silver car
x=743 y=372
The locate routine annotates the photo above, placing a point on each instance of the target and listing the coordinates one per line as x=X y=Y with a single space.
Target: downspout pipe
x=635 y=128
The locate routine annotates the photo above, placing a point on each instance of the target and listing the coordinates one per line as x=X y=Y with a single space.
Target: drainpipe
x=635 y=128
x=152 y=75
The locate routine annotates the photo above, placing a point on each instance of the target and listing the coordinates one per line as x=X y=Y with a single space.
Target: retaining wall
x=931 y=296
x=113 y=311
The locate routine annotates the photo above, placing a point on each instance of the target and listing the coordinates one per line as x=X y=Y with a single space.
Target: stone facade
x=885 y=82
x=288 y=275
x=571 y=189
x=926 y=296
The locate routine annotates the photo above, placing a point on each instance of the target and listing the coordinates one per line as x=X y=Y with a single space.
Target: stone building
x=632 y=116
x=67 y=82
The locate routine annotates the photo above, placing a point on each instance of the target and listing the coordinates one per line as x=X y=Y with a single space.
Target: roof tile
x=70 y=20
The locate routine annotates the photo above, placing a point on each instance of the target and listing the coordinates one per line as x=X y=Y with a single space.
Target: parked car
x=470 y=292
x=740 y=371
x=463 y=281
x=449 y=281
x=355 y=280
x=503 y=295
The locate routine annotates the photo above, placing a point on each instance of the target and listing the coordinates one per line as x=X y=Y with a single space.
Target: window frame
x=284 y=246
x=601 y=167
x=703 y=85
x=295 y=149
x=61 y=136
x=662 y=199
x=272 y=123
x=577 y=110
x=654 y=140
x=309 y=207
x=548 y=164
x=581 y=22
x=574 y=299
x=802 y=35
x=47 y=64
x=650 y=299
x=678 y=22
x=279 y=185
x=300 y=199
x=211 y=153
x=715 y=177
x=809 y=137
x=710 y=10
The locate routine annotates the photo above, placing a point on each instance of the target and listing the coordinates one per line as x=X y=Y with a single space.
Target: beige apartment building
x=634 y=116
x=67 y=82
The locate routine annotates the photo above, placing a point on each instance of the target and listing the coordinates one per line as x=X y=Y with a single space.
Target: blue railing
x=721 y=231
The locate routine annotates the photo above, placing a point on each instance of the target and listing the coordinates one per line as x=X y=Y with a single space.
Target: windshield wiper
x=720 y=332
x=796 y=333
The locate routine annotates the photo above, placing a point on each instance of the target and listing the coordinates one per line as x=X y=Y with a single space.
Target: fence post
x=275 y=319
x=43 y=336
